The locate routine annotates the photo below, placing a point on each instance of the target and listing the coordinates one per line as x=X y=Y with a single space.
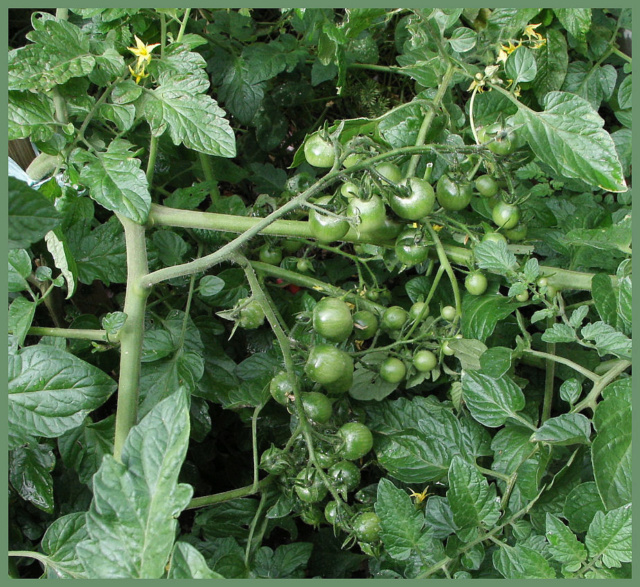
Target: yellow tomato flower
x=142 y=52
x=530 y=31
x=420 y=497
x=502 y=56
x=138 y=74
x=510 y=48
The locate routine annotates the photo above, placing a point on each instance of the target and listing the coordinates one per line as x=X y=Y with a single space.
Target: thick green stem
x=444 y=261
x=558 y=359
x=151 y=163
x=205 y=500
x=207 y=170
x=183 y=24
x=131 y=333
x=549 y=377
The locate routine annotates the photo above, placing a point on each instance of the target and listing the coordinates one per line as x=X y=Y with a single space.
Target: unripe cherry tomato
x=418 y=203
x=365 y=324
x=325 y=228
x=476 y=283
x=505 y=215
x=424 y=361
x=319 y=152
x=394 y=318
x=332 y=319
x=453 y=195
x=392 y=370
x=448 y=313
x=366 y=527
x=357 y=440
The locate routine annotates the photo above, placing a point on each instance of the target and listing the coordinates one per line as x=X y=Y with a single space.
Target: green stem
x=62 y=13
x=72 y=333
x=558 y=359
x=429 y=116
x=252 y=528
x=151 y=163
x=425 y=310
x=60 y=106
x=444 y=261
x=131 y=333
x=163 y=34
x=549 y=377
x=183 y=24
x=205 y=500
x=591 y=400
x=621 y=54
x=207 y=170
x=254 y=445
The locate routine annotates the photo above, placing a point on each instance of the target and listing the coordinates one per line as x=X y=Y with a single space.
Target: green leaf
x=115 y=180
x=473 y=501
x=564 y=430
x=481 y=314
x=491 y=400
x=100 y=254
x=564 y=545
x=400 y=522
x=581 y=506
x=468 y=351
x=611 y=448
x=624 y=304
x=521 y=562
x=624 y=93
x=439 y=517
x=60 y=51
x=59 y=248
x=187 y=563
x=609 y=536
x=52 y=391
x=122 y=115
x=193 y=118
x=576 y=20
x=226 y=520
x=496 y=361
x=284 y=562
x=608 y=340
x=30 y=115
x=19 y=270
x=83 y=447
x=463 y=39
x=171 y=247
x=210 y=285
x=132 y=519
x=521 y=65
x=59 y=545
x=559 y=332
x=568 y=136
x=593 y=83
x=30 y=474
x=505 y=23
x=21 y=313
x=604 y=297
x=612 y=238
x=552 y=59
x=368 y=385
x=400 y=127
x=31 y=215
x=571 y=390
x=495 y=257
x=513 y=452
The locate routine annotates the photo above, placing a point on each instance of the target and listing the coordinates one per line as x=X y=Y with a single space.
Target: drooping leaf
x=563 y=430
x=59 y=545
x=52 y=391
x=193 y=118
x=115 y=180
x=30 y=474
x=21 y=313
x=132 y=519
x=187 y=563
x=568 y=136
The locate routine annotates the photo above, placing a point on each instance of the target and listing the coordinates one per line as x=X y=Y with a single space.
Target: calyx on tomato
x=410 y=247
x=371 y=213
x=324 y=227
x=418 y=203
x=251 y=315
x=498 y=138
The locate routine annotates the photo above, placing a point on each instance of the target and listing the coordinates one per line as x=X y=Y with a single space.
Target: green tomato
x=366 y=527
x=424 y=361
x=319 y=152
x=447 y=350
x=499 y=140
x=410 y=248
x=371 y=214
x=390 y=171
x=331 y=512
x=353 y=159
x=309 y=486
x=448 y=313
x=281 y=388
x=417 y=311
x=523 y=297
x=542 y=282
x=326 y=364
x=251 y=314
x=389 y=230
x=313 y=516
x=365 y=324
x=317 y=406
x=505 y=215
x=518 y=233
x=332 y=319
x=274 y=460
x=292 y=246
x=345 y=475
x=476 y=283
x=350 y=190
x=453 y=195
x=418 y=203
x=357 y=440
x=392 y=370
x=394 y=318
x=341 y=385
x=270 y=255
x=486 y=186
x=496 y=237
x=304 y=265
x=325 y=228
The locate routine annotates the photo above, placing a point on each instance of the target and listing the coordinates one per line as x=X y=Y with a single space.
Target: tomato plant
x=244 y=342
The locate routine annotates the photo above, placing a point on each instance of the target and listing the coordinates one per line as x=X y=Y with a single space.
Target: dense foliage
x=321 y=293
